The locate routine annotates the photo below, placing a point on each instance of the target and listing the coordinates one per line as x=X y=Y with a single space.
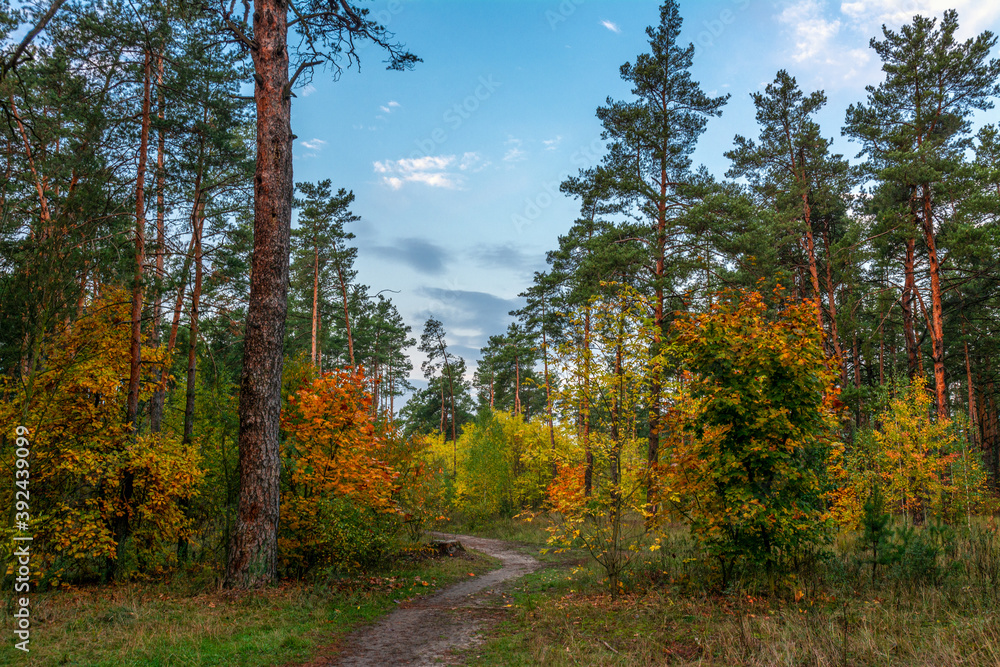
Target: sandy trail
x=427 y=630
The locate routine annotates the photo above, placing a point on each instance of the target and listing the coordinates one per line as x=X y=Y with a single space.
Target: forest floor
x=186 y=619
x=432 y=630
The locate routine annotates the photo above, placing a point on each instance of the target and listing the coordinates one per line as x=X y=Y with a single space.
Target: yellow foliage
x=919 y=464
x=74 y=405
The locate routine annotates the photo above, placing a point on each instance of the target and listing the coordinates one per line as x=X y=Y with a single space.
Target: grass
x=519 y=531
x=188 y=622
x=833 y=616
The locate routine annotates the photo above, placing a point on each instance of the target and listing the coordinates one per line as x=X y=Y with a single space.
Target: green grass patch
x=520 y=530
x=180 y=623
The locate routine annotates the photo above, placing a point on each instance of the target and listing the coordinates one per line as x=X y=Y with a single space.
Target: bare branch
x=291 y=82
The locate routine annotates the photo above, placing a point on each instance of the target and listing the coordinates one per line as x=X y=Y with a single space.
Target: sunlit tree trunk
x=937 y=321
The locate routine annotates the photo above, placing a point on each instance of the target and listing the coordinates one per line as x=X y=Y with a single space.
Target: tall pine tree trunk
x=937 y=321
x=252 y=558
x=189 y=394
x=517 y=385
x=906 y=302
x=588 y=453
x=121 y=524
x=838 y=351
x=159 y=396
x=188 y=437
x=548 y=393
x=315 y=313
x=347 y=314
x=655 y=389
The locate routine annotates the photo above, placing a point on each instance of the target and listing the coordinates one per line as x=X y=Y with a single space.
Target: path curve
x=427 y=630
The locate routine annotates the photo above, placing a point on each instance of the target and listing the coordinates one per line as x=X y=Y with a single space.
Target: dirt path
x=426 y=631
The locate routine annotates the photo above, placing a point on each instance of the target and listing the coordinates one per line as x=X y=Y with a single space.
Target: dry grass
x=831 y=616
x=587 y=628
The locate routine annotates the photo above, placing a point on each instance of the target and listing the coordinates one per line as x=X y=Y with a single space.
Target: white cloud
x=514 y=152
x=472 y=162
x=389 y=106
x=313 y=144
x=307 y=90
x=974 y=16
x=613 y=27
x=513 y=155
x=434 y=171
x=830 y=37
x=435 y=179
x=811 y=30
x=552 y=144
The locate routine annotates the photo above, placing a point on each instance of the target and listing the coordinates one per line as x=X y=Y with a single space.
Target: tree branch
x=291 y=82
x=8 y=66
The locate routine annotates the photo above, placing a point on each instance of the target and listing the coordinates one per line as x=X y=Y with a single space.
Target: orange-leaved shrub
x=337 y=502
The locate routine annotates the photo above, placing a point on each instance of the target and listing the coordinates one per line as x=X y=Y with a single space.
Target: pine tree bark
x=159 y=396
x=655 y=388
x=252 y=557
x=188 y=437
x=906 y=303
x=315 y=313
x=588 y=454
x=973 y=425
x=517 y=384
x=347 y=314
x=548 y=393
x=189 y=394
x=937 y=321
x=121 y=524
x=831 y=292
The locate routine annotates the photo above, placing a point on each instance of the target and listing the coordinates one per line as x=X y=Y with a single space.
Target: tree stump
x=447 y=547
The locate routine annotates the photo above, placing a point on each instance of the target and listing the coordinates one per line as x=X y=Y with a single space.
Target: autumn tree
x=81 y=449
x=753 y=427
x=337 y=487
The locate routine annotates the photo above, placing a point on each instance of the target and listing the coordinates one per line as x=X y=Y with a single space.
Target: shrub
x=752 y=432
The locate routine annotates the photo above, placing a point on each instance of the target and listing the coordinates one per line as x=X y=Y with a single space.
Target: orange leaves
x=566 y=492
x=750 y=428
x=334 y=453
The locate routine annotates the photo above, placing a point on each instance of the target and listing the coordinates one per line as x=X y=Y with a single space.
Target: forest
x=749 y=417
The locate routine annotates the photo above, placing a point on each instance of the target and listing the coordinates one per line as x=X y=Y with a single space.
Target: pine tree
x=651 y=140
x=914 y=129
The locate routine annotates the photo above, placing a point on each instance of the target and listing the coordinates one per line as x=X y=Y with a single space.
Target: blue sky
x=456 y=165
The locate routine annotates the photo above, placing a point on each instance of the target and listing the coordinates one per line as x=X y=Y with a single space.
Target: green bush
x=351 y=537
